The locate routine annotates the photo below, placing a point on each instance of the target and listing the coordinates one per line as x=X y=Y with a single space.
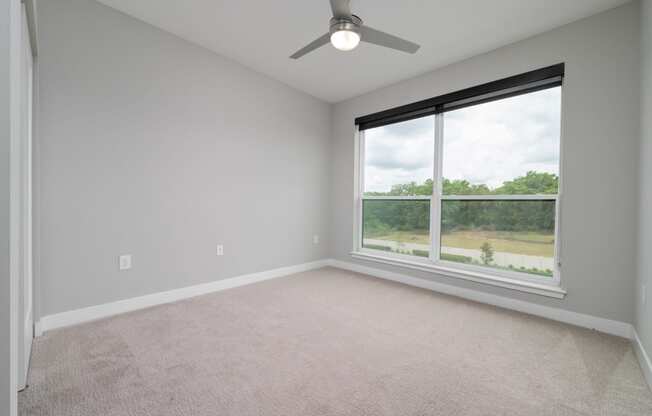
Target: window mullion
x=502 y=197
x=360 y=191
x=435 y=204
x=398 y=198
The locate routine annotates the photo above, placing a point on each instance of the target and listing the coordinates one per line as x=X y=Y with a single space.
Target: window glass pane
x=509 y=146
x=398 y=158
x=510 y=235
x=401 y=226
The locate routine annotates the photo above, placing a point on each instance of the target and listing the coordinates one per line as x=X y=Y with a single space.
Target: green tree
x=487 y=255
x=531 y=183
x=381 y=217
x=407 y=189
x=463 y=187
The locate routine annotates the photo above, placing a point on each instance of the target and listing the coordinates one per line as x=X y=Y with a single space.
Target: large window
x=470 y=182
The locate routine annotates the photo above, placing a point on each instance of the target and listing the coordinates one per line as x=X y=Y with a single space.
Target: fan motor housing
x=351 y=23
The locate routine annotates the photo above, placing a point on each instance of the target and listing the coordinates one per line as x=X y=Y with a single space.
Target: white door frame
x=25 y=192
x=15 y=53
x=22 y=37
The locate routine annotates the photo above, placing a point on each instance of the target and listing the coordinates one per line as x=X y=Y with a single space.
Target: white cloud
x=485 y=144
x=399 y=153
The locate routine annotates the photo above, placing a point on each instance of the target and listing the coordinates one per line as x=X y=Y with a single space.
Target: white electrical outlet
x=220 y=250
x=315 y=239
x=125 y=262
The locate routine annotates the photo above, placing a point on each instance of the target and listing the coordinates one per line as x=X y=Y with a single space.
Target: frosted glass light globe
x=345 y=40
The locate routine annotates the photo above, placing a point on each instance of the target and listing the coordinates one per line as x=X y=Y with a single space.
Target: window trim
x=505 y=282
x=503 y=278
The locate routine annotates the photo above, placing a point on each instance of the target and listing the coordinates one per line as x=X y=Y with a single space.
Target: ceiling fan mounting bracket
x=351 y=23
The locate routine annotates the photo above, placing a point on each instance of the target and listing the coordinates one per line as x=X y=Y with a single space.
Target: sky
x=485 y=144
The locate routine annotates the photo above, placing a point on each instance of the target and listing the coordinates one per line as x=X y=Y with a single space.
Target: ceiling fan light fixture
x=345 y=32
x=345 y=40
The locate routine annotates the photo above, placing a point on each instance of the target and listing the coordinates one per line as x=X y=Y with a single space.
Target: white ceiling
x=262 y=34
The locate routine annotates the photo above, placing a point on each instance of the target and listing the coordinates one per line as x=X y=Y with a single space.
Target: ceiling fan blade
x=377 y=37
x=320 y=41
x=340 y=8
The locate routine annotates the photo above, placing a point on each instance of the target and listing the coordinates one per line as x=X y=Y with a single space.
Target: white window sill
x=549 y=290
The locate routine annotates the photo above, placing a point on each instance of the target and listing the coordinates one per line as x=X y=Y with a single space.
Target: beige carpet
x=331 y=342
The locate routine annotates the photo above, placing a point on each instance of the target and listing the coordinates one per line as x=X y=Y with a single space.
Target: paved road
x=500 y=258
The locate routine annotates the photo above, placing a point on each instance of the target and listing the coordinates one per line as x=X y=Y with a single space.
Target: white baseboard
x=91 y=313
x=643 y=358
x=621 y=329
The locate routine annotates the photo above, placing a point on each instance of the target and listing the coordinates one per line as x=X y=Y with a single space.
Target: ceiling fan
x=347 y=30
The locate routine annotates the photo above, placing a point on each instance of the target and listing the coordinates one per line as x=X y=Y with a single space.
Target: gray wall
x=600 y=145
x=644 y=311
x=152 y=146
x=5 y=139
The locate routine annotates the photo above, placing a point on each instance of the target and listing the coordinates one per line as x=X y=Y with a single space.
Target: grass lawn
x=417 y=237
x=533 y=244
